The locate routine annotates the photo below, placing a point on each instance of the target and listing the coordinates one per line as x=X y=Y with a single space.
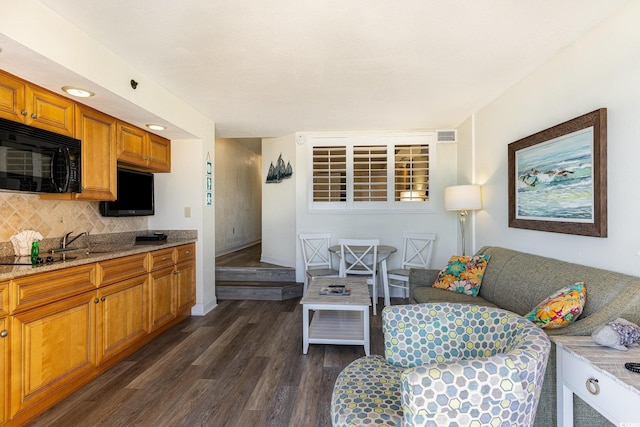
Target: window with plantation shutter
x=371 y=172
x=329 y=174
x=411 y=173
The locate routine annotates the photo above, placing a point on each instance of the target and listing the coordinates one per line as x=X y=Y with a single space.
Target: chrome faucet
x=66 y=242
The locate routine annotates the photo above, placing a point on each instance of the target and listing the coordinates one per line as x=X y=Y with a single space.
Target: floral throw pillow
x=561 y=308
x=463 y=274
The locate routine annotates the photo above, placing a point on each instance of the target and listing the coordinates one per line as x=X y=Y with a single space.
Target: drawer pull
x=4 y=334
x=592 y=386
x=164 y=258
x=187 y=252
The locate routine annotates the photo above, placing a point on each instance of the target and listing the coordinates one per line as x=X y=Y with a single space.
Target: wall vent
x=446 y=135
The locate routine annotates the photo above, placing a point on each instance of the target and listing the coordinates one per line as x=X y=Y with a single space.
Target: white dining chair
x=359 y=257
x=316 y=256
x=416 y=253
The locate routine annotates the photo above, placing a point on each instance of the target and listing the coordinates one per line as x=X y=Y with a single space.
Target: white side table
x=597 y=375
x=336 y=319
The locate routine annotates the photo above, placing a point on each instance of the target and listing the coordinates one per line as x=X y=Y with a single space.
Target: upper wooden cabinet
x=97 y=131
x=34 y=106
x=12 y=92
x=143 y=150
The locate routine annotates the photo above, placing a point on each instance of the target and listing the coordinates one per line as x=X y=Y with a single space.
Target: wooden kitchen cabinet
x=142 y=150
x=97 y=131
x=162 y=297
x=4 y=373
x=12 y=92
x=52 y=346
x=26 y=103
x=185 y=277
x=159 y=151
x=121 y=316
x=67 y=326
x=122 y=308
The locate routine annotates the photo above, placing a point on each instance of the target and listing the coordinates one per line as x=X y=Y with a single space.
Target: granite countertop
x=99 y=252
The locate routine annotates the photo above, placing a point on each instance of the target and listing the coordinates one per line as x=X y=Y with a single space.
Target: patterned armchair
x=446 y=364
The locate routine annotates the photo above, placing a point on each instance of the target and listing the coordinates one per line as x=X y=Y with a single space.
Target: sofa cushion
x=463 y=274
x=367 y=392
x=429 y=294
x=561 y=308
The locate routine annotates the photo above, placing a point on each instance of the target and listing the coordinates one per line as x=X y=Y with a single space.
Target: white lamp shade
x=462 y=198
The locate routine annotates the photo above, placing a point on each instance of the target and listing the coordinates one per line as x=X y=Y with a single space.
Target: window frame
x=368 y=140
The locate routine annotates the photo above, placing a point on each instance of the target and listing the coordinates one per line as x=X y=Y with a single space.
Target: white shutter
x=370 y=173
x=329 y=174
x=411 y=174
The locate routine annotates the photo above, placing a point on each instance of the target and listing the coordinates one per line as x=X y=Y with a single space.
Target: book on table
x=338 y=290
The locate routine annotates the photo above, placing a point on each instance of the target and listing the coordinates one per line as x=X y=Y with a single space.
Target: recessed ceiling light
x=155 y=127
x=76 y=91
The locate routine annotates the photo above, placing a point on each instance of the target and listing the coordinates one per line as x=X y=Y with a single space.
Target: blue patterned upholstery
x=446 y=365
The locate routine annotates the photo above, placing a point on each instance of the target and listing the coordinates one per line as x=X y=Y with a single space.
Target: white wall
x=31 y=25
x=600 y=70
x=238 y=195
x=279 y=204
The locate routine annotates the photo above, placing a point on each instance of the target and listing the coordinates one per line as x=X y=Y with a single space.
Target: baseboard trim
x=235 y=248
x=202 y=310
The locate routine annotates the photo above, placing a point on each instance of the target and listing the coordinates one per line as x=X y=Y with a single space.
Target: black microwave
x=37 y=160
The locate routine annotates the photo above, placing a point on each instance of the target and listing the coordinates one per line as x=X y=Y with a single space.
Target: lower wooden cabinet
x=4 y=373
x=162 y=297
x=185 y=277
x=51 y=347
x=59 y=329
x=121 y=316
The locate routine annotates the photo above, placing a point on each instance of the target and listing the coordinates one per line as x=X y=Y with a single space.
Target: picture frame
x=558 y=178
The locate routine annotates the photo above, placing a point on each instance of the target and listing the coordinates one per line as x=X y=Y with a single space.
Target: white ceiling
x=263 y=68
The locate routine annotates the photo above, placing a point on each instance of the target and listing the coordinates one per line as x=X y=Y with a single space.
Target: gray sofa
x=517 y=282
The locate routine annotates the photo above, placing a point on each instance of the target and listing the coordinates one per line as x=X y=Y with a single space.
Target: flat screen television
x=135 y=195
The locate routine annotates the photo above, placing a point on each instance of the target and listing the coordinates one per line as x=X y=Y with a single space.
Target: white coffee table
x=336 y=319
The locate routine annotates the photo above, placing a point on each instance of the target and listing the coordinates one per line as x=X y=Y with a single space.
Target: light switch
x=187 y=212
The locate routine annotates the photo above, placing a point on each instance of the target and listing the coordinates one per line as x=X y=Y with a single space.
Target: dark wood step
x=255 y=274
x=254 y=290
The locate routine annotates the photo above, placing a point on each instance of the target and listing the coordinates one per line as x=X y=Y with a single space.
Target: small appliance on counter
x=151 y=239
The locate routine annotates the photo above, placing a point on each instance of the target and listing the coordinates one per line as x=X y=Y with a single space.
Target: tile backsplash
x=53 y=218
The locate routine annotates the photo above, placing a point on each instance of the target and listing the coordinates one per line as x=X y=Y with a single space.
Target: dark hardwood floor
x=240 y=365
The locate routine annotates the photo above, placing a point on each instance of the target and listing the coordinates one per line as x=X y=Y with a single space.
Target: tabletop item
x=617 y=334
x=22 y=242
x=35 y=252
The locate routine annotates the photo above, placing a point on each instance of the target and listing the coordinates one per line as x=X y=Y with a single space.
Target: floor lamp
x=462 y=198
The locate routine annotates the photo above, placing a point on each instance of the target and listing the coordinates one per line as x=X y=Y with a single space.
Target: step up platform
x=251 y=290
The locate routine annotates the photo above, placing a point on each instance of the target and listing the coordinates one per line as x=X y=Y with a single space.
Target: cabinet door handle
x=23 y=112
x=104 y=298
x=96 y=300
x=33 y=116
x=592 y=386
x=4 y=334
x=176 y=272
